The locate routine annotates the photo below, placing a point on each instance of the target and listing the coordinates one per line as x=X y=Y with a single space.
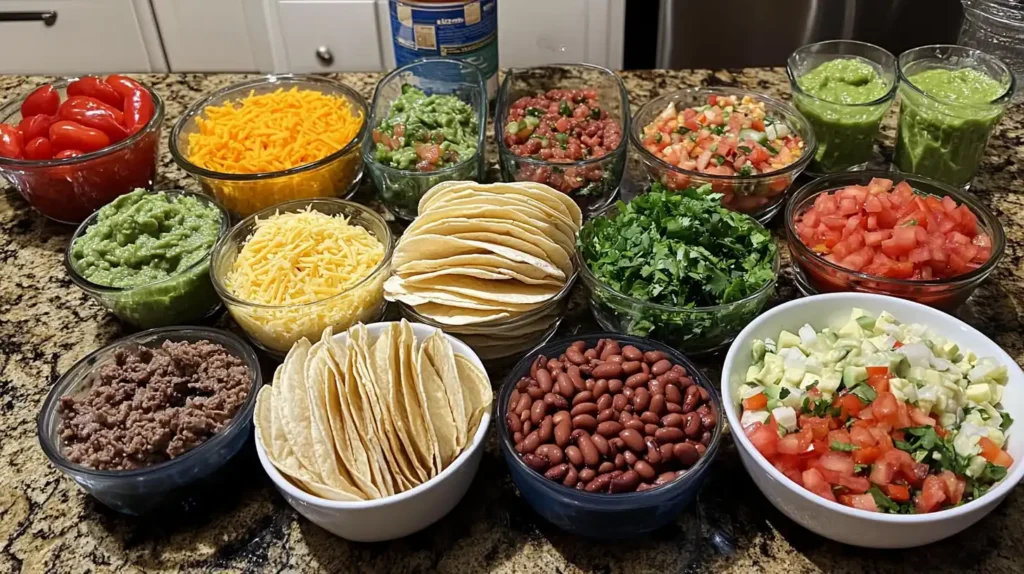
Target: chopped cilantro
x=564 y=108
x=843 y=446
x=1007 y=421
x=534 y=112
x=746 y=170
x=771 y=149
x=864 y=392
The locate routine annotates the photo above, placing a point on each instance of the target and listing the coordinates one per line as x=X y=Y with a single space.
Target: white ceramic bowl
x=831 y=519
x=402 y=514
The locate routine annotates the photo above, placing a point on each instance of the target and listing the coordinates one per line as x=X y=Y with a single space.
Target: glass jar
x=996 y=27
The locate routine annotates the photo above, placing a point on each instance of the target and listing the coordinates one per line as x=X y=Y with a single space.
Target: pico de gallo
x=878 y=415
x=561 y=126
x=892 y=231
x=426 y=133
x=728 y=136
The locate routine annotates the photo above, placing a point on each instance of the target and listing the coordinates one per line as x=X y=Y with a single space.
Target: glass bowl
x=592 y=183
x=243 y=194
x=496 y=342
x=275 y=328
x=760 y=196
x=940 y=139
x=815 y=274
x=400 y=189
x=180 y=299
x=600 y=515
x=190 y=475
x=845 y=132
x=69 y=190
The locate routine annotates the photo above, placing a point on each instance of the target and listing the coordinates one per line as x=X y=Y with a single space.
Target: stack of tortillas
x=371 y=416
x=485 y=261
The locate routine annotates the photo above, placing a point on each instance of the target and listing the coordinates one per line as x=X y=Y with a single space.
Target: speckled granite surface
x=48 y=525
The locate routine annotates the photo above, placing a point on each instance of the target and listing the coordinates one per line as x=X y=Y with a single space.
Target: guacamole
x=833 y=96
x=943 y=134
x=151 y=253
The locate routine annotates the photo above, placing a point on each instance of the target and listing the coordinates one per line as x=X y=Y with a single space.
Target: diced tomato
x=794 y=443
x=866 y=454
x=756 y=402
x=839 y=462
x=992 y=453
x=839 y=435
x=855 y=484
x=919 y=417
x=817 y=426
x=764 y=438
x=897 y=492
x=954 y=486
x=932 y=495
x=861 y=436
x=873 y=371
x=879 y=382
x=849 y=405
x=859 y=501
x=815 y=482
x=885 y=407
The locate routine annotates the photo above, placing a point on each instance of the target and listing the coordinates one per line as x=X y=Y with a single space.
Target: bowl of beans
x=153 y=420
x=565 y=126
x=273 y=139
x=606 y=435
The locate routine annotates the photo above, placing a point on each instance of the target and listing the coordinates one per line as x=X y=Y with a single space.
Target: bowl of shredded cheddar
x=273 y=139
x=294 y=269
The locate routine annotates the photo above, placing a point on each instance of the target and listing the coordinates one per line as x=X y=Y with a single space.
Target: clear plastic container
x=181 y=299
x=243 y=194
x=815 y=274
x=400 y=190
x=189 y=476
x=275 y=328
x=944 y=140
x=69 y=190
x=846 y=133
x=996 y=27
x=595 y=514
x=760 y=196
x=592 y=183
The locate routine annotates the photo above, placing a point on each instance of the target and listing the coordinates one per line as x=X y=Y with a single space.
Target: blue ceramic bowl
x=602 y=515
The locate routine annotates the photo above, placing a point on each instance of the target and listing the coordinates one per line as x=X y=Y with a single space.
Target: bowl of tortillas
x=492 y=264
x=377 y=432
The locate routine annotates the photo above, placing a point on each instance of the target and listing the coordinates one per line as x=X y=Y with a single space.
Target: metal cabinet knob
x=48 y=17
x=323 y=53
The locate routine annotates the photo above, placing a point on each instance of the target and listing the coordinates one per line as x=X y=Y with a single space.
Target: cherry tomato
x=123 y=85
x=11 y=142
x=68 y=153
x=39 y=148
x=138 y=109
x=42 y=100
x=36 y=126
x=95 y=88
x=93 y=113
x=70 y=135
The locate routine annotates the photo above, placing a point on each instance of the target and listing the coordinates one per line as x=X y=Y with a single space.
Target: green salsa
x=943 y=134
x=833 y=96
x=150 y=248
x=426 y=133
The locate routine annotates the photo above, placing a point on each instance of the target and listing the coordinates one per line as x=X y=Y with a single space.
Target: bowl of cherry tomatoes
x=915 y=238
x=71 y=146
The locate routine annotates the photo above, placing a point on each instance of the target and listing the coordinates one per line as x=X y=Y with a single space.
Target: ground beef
x=152 y=405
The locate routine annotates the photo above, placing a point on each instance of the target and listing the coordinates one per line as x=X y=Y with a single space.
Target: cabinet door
x=538 y=32
x=330 y=36
x=214 y=35
x=71 y=37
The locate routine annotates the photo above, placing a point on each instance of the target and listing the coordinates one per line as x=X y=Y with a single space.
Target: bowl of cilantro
x=677 y=267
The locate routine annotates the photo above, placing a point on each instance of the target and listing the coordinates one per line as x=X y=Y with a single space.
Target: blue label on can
x=465 y=31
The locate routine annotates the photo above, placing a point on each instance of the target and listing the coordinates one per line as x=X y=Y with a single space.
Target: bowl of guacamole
x=146 y=257
x=843 y=88
x=428 y=125
x=951 y=99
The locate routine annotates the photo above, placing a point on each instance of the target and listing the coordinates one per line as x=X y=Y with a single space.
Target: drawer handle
x=323 y=53
x=48 y=17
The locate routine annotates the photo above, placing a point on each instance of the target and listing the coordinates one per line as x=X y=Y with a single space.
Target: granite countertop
x=47 y=524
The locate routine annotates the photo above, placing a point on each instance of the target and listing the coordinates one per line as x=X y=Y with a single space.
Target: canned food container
x=401 y=189
x=242 y=194
x=463 y=30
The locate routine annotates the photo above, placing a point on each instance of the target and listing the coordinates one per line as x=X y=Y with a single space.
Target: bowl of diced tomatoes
x=934 y=505
x=747 y=147
x=71 y=146
x=913 y=238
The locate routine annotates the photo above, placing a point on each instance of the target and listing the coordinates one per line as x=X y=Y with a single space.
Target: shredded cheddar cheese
x=300 y=269
x=272 y=132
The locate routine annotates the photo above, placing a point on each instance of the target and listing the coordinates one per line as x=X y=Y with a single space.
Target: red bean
x=551 y=452
x=572 y=452
x=669 y=435
x=661 y=367
x=600 y=388
x=537 y=411
x=654 y=356
x=691 y=399
x=587 y=408
x=627 y=482
x=575 y=356
x=609 y=429
x=513 y=399
x=635 y=424
x=605 y=402
x=606 y=466
x=610 y=348
x=615 y=385
x=672 y=420
x=590 y=454
x=649 y=418
x=585 y=422
x=607 y=371
x=619 y=402
x=578 y=345
x=547 y=428
x=590 y=354
x=535 y=462
x=535 y=366
x=587 y=474
x=599 y=483
x=673 y=395
x=571 y=477
x=645 y=470
x=513 y=424
x=632 y=368
x=562 y=431
x=685 y=453
x=524 y=403
x=531 y=442
x=637 y=380
x=631 y=353
x=650 y=429
x=602 y=444
x=534 y=391
x=657 y=405
x=633 y=439
x=557 y=472
x=556 y=401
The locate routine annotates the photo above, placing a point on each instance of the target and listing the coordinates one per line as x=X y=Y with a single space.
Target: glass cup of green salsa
x=154 y=279
x=951 y=98
x=428 y=124
x=843 y=88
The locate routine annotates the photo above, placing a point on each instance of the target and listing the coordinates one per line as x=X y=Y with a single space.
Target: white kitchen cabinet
x=78 y=37
x=538 y=32
x=330 y=36
x=214 y=35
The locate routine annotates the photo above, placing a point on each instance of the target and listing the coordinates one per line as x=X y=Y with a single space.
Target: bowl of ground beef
x=151 y=420
x=566 y=126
